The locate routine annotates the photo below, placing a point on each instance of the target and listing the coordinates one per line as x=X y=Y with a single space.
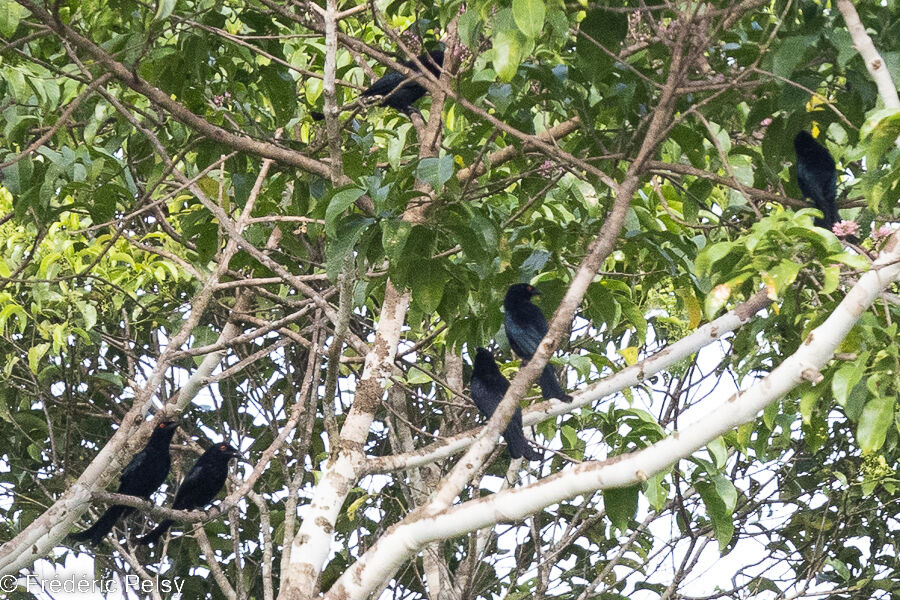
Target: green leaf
x=789 y=53
x=34 y=451
x=467 y=25
x=715 y=300
x=435 y=171
x=355 y=506
x=15 y=79
x=717 y=508
x=427 y=281
x=844 y=380
x=508 y=53
x=89 y=313
x=35 y=354
x=417 y=377
x=529 y=16
x=281 y=92
x=876 y=417
x=655 y=491
x=726 y=491
x=844 y=43
x=103 y=204
x=882 y=129
x=10 y=16
x=718 y=451
x=207 y=239
x=394 y=234
x=840 y=568
x=569 y=436
x=809 y=398
x=396 y=144
x=854 y=261
x=339 y=202
x=338 y=248
x=13 y=309
x=606 y=28
x=782 y=276
x=832 y=279
x=621 y=505
x=164 y=9
x=711 y=255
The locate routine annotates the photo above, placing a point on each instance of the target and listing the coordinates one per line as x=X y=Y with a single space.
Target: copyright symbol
x=9 y=583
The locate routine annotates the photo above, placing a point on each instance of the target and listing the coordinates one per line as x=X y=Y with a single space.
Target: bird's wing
x=132 y=471
x=831 y=187
x=385 y=85
x=485 y=399
x=193 y=482
x=526 y=327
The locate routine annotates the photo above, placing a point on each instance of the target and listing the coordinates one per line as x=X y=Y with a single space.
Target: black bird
x=488 y=386
x=525 y=328
x=200 y=485
x=143 y=476
x=394 y=88
x=400 y=93
x=817 y=177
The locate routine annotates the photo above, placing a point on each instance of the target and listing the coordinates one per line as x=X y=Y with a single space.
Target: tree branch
x=627 y=377
x=866 y=48
x=177 y=110
x=403 y=539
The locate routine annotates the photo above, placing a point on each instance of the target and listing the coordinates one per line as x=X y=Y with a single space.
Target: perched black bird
x=525 y=328
x=200 y=485
x=817 y=177
x=143 y=476
x=488 y=387
x=400 y=93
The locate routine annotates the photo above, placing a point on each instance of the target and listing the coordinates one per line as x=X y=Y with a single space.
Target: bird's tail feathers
x=527 y=452
x=517 y=444
x=550 y=387
x=96 y=532
x=153 y=536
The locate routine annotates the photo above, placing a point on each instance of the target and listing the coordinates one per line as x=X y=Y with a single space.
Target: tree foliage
x=181 y=236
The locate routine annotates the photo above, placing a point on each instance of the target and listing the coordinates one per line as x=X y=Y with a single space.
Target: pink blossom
x=882 y=232
x=845 y=228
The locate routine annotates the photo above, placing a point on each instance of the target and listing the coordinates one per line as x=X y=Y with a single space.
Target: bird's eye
x=222 y=447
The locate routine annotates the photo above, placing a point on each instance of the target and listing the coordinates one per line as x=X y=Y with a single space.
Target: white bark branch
x=311 y=545
x=874 y=62
x=621 y=380
x=42 y=534
x=405 y=538
x=478 y=452
x=599 y=249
